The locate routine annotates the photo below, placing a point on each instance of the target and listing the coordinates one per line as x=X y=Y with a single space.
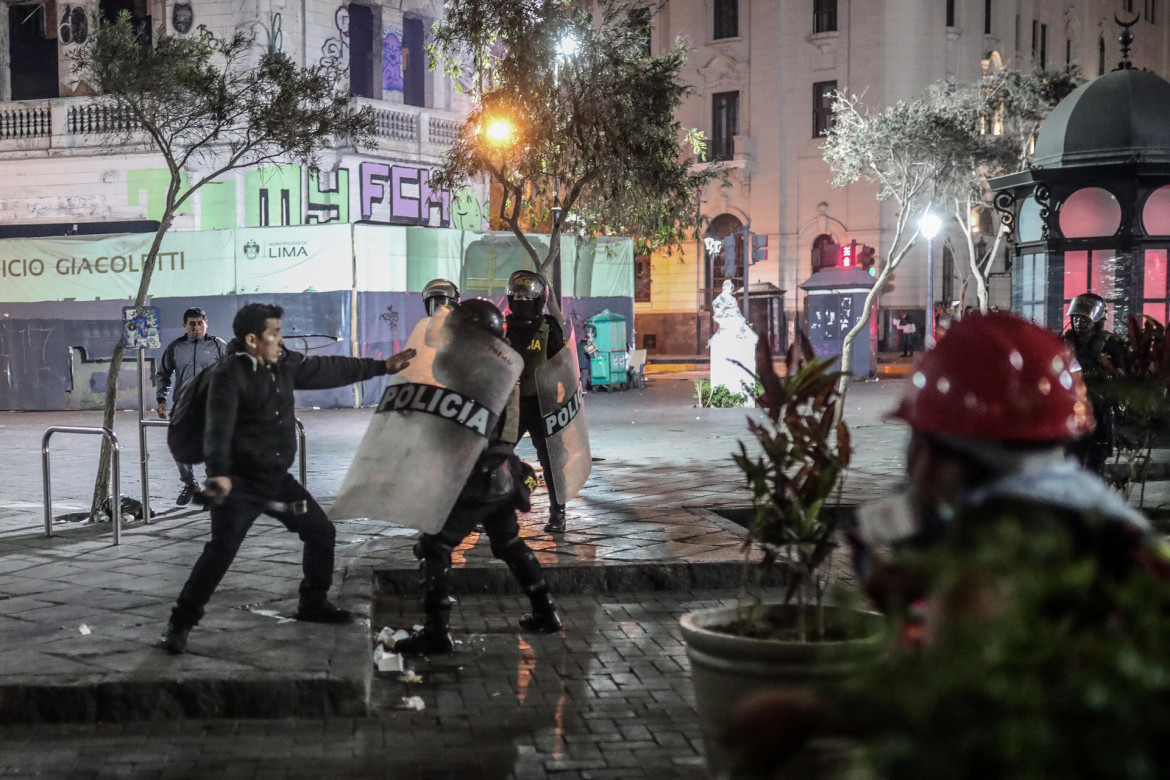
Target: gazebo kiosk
x=1092 y=213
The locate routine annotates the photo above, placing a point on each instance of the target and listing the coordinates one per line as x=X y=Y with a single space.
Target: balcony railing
x=99 y=117
x=79 y=122
x=19 y=121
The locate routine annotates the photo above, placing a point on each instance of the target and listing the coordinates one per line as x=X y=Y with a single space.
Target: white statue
x=733 y=341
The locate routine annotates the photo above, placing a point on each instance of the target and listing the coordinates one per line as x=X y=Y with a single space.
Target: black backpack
x=185 y=433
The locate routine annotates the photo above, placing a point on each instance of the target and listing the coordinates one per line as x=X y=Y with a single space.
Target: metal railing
x=115 y=488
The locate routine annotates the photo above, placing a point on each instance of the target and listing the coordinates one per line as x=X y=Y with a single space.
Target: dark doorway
x=414 y=67
x=34 y=57
x=361 y=50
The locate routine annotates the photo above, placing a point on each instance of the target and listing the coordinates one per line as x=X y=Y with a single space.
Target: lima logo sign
x=275 y=250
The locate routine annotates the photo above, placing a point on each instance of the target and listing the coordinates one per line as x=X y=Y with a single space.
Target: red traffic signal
x=848 y=254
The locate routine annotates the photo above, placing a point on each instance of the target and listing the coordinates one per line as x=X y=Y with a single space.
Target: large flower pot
x=726 y=668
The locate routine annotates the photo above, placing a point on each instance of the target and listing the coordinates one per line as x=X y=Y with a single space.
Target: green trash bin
x=610 y=365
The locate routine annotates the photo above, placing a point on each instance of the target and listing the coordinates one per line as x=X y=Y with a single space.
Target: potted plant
x=792 y=470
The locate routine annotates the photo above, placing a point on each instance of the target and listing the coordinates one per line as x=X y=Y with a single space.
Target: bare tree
x=912 y=151
x=216 y=104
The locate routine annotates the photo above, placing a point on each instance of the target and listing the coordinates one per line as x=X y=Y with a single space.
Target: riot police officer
x=439 y=292
x=537 y=337
x=499 y=485
x=1099 y=354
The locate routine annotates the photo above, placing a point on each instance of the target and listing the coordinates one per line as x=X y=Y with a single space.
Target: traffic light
x=866 y=260
x=759 y=248
x=730 y=261
x=848 y=254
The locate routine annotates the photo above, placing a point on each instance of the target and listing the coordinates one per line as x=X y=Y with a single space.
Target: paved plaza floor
x=259 y=695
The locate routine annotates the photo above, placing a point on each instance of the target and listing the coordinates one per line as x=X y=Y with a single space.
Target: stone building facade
x=763 y=70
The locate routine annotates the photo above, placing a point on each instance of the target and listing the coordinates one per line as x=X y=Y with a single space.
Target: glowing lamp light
x=929 y=225
x=499 y=132
x=847 y=255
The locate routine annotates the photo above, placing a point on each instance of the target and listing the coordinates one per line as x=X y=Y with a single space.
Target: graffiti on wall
x=392 y=57
x=328 y=196
x=387 y=193
x=400 y=194
x=335 y=50
x=182 y=17
x=74 y=27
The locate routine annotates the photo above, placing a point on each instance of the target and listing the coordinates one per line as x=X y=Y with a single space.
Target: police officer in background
x=1099 y=353
x=439 y=292
x=537 y=337
x=499 y=485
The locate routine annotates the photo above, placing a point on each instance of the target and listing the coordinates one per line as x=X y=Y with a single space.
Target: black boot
x=174 y=638
x=556 y=519
x=434 y=638
x=543 y=619
x=522 y=561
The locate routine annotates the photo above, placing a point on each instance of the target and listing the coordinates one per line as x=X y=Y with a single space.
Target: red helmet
x=996 y=377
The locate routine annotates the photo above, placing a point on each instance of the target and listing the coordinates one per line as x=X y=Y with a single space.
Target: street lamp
x=929 y=225
x=566 y=49
x=499 y=132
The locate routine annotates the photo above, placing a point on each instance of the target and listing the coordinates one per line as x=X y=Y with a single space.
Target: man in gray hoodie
x=183 y=358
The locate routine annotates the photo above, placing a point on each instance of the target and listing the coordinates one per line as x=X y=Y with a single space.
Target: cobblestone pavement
x=607 y=699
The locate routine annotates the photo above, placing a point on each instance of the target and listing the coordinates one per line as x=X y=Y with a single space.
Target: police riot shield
x=430 y=426
x=558 y=391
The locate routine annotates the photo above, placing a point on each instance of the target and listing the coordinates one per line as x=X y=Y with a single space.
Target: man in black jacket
x=183 y=359
x=249 y=440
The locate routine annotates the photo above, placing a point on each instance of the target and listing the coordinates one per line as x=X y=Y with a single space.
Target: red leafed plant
x=801 y=457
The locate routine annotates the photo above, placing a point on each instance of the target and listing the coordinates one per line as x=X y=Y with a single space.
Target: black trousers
x=230 y=522
x=532 y=422
x=503 y=532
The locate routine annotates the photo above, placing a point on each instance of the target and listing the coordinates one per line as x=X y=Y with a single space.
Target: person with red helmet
x=993 y=410
x=997 y=535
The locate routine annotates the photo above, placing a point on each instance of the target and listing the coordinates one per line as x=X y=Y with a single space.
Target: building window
x=1030 y=288
x=640 y=18
x=823 y=94
x=987 y=17
x=724 y=125
x=950 y=13
x=1151 y=11
x=1101 y=56
x=726 y=19
x=33 y=67
x=1068 y=51
x=1128 y=6
x=414 y=61
x=642 y=279
x=824 y=16
x=361 y=51
x=1043 y=46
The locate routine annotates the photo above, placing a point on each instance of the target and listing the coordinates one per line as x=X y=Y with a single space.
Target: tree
x=219 y=103
x=1013 y=104
x=572 y=118
x=912 y=151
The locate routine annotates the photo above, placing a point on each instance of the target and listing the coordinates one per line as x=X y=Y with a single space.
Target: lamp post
x=566 y=48
x=929 y=225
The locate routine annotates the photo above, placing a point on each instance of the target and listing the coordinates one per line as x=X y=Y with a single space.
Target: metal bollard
x=115 y=489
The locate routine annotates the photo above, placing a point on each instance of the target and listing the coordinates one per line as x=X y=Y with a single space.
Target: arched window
x=822 y=245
